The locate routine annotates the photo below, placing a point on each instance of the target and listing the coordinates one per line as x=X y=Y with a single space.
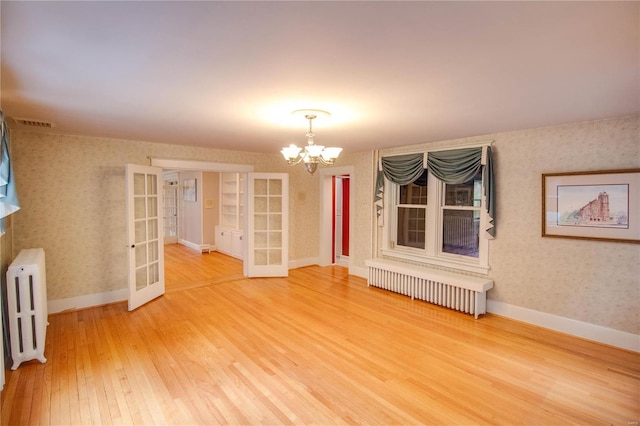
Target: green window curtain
x=460 y=165
x=8 y=195
x=490 y=192
x=399 y=169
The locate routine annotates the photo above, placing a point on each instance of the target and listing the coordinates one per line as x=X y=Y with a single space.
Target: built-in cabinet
x=229 y=233
x=229 y=241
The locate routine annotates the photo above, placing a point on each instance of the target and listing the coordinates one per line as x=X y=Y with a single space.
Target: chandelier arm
x=298 y=160
x=325 y=162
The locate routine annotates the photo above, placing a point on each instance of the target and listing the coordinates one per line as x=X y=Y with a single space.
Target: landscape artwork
x=605 y=206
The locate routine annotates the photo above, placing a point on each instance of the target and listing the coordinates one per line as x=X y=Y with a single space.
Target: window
x=429 y=221
x=461 y=217
x=411 y=211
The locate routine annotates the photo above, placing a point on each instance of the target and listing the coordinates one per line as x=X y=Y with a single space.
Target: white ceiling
x=228 y=74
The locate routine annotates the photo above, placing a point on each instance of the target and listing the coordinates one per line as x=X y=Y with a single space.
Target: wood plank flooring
x=319 y=347
x=186 y=268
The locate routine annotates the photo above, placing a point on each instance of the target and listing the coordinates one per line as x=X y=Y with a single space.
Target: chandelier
x=311 y=154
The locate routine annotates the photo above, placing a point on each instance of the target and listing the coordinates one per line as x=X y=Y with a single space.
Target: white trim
x=205 y=166
x=609 y=336
x=87 y=301
x=197 y=247
x=301 y=263
x=359 y=272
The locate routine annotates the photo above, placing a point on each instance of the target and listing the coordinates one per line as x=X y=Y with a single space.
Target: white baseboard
x=301 y=263
x=197 y=247
x=609 y=336
x=359 y=272
x=87 y=301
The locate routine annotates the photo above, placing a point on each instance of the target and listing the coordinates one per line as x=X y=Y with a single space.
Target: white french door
x=144 y=233
x=267 y=225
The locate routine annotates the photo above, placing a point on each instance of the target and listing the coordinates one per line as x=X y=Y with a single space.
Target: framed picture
x=602 y=205
x=189 y=190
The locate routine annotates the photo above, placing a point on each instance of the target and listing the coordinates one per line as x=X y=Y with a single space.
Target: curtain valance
x=399 y=169
x=403 y=169
x=451 y=166
x=455 y=166
x=460 y=165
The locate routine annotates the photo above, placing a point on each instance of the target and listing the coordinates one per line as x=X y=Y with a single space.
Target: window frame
x=432 y=254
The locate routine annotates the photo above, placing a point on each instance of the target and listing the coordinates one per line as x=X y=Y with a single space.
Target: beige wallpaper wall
x=72 y=193
x=211 y=206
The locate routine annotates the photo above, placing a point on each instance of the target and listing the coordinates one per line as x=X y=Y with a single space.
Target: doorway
x=341 y=214
x=184 y=264
x=336 y=218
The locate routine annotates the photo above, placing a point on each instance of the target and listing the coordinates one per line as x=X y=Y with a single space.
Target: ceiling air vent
x=34 y=123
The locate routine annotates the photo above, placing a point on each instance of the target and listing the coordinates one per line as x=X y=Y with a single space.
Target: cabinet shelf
x=231 y=202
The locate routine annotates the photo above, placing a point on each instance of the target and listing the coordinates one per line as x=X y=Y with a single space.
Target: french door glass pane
x=152 y=185
x=275 y=256
x=141 y=254
x=152 y=226
x=153 y=251
x=260 y=204
x=140 y=208
x=154 y=272
x=140 y=231
x=275 y=222
x=141 y=278
x=275 y=187
x=275 y=239
x=139 y=184
x=260 y=187
x=260 y=257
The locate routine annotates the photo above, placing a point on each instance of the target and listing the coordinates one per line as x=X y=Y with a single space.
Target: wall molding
x=585 y=330
x=301 y=263
x=359 y=272
x=201 y=248
x=87 y=301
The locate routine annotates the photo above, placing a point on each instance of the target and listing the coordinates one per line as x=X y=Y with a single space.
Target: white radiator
x=455 y=291
x=27 y=305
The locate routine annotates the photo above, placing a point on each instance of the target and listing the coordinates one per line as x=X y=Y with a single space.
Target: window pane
x=465 y=194
x=414 y=193
x=411 y=227
x=460 y=232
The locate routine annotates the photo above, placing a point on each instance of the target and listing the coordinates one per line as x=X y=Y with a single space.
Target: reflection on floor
x=185 y=268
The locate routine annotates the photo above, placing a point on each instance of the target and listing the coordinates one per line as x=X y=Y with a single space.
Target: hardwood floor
x=319 y=347
x=186 y=268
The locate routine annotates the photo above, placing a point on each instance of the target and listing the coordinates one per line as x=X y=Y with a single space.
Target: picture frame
x=189 y=192
x=592 y=205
